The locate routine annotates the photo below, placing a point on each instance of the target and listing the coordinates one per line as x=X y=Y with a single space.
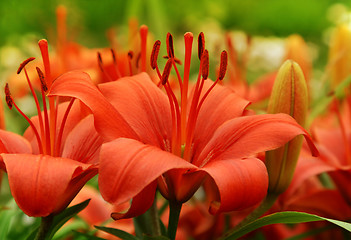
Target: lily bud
x=340 y=55
x=289 y=95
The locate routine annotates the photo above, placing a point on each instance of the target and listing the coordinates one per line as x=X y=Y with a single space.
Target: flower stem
x=174 y=212
x=44 y=228
x=156 y=229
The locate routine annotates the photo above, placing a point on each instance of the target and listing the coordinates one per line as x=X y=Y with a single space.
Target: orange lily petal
x=140 y=204
x=221 y=104
x=42 y=184
x=79 y=85
x=246 y=136
x=128 y=166
x=240 y=183
x=13 y=143
x=83 y=142
x=76 y=114
x=327 y=203
x=143 y=105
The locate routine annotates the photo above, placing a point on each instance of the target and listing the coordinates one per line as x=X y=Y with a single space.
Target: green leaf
x=60 y=219
x=282 y=217
x=147 y=237
x=340 y=89
x=118 y=233
x=64 y=216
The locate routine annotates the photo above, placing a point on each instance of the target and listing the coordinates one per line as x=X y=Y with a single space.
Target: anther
x=204 y=64
x=154 y=54
x=113 y=56
x=166 y=72
x=100 y=61
x=130 y=55
x=42 y=79
x=170 y=48
x=9 y=99
x=223 y=65
x=24 y=63
x=201 y=44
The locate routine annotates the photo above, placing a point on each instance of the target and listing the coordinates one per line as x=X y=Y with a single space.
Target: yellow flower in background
x=340 y=54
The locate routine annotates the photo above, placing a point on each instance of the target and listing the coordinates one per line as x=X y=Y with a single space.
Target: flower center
x=49 y=142
x=185 y=112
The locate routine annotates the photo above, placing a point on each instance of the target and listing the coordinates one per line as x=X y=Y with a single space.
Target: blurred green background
x=89 y=19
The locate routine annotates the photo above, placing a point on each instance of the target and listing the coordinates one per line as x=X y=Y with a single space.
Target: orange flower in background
x=297 y=50
x=335 y=140
x=157 y=141
x=102 y=64
x=57 y=155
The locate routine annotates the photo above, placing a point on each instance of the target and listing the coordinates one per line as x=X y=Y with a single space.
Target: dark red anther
x=154 y=54
x=170 y=49
x=166 y=72
x=9 y=99
x=130 y=55
x=24 y=63
x=100 y=61
x=205 y=64
x=42 y=79
x=201 y=44
x=113 y=55
x=223 y=65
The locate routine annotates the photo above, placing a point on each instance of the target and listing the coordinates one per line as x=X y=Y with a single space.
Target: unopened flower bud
x=289 y=95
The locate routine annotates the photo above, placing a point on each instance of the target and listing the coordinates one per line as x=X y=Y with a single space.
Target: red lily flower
x=155 y=142
x=337 y=153
x=57 y=155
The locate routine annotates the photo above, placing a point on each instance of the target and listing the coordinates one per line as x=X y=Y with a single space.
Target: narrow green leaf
x=147 y=237
x=282 y=217
x=118 y=233
x=64 y=216
x=340 y=89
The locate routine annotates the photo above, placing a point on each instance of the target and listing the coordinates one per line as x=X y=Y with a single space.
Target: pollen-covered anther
x=166 y=72
x=170 y=48
x=154 y=54
x=223 y=65
x=201 y=44
x=205 y=64
x=42 y=79
x=9 y=99
x=24 y=63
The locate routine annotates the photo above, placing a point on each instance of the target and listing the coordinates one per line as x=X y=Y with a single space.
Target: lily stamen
x=143 y=37
x=64 y=119
x=114 y=58
x=130 y=57
x=43 y=45
x=183 y=121
x=10 y=103
x=101 y=66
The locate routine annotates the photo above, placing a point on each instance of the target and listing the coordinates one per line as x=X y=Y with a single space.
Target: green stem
x=174 y=212
x=266 y=204
x=156 y=228
x=44 y=228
